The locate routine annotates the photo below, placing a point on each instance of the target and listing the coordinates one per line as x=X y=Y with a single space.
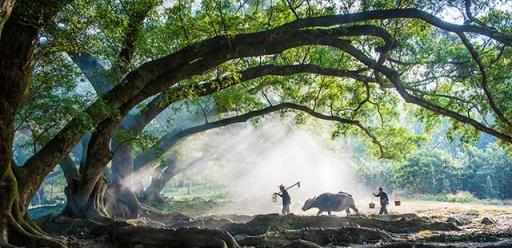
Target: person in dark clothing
x=384 y=200
x=286 y=199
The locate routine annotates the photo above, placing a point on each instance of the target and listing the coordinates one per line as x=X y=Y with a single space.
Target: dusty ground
x=467 y=217
x=407 y=206
x=414 y=224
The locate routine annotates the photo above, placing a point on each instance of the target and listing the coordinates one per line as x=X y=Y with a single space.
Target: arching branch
x=151 y=155
x=394 y=77
x=484 y=83
x=411 y=13
x=177 y=93
x=157 y=75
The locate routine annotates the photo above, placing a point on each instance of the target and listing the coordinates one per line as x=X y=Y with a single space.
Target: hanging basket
x=372 y=205
x=397 y=200
x=274 y=197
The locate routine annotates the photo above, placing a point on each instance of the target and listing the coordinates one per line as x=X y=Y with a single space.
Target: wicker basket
x=397 y=202
x=372 y=205
x=274 y=197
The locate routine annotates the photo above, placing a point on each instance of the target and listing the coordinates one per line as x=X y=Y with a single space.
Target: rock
x=454 y=220
x=300 y=244
x=488 y=221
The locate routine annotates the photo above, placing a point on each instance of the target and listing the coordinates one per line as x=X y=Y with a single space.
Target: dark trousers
x=383 y=209
x=286 y=209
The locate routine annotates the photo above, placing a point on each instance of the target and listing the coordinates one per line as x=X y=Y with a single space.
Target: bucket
x=397 y=203
x=372 y=205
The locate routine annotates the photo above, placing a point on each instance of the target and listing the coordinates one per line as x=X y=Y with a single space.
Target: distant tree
x=487 y=171
x=431 y=172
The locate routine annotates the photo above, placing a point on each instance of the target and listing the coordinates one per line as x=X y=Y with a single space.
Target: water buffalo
x=331 y=202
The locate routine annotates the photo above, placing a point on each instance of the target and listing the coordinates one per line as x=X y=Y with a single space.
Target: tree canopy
x=97 y=72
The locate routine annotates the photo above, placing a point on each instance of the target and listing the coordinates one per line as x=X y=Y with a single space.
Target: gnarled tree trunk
x=120 y=200
x=85 y=196
x=152 y=194
x=17 y=44
x=91 y=207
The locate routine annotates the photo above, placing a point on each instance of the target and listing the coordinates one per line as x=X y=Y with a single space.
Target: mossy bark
x=6 y=7
x=90 y=206
x=17 y=44
x=15 y=225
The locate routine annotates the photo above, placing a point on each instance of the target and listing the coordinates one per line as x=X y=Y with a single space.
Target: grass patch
x=42 y=210
x=207 y=192
x=459 y=197
x=197 y=199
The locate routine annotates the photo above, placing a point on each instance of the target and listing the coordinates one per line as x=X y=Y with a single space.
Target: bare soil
x=414 y=224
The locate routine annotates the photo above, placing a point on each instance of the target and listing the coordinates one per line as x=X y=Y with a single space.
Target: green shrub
x=463 y=196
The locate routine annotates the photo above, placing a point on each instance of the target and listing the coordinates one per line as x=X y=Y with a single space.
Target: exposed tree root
x=463 y=237
x=504 y=244
x=25 y=233
x=62 y=225
x=152 y=197
x=262 y=223
x=16 y=228
x=320 y=236
x=130 y=236
x=122 y=203
x=164 y=217
x=90 y=207
x=205 y=222
x=300 y=244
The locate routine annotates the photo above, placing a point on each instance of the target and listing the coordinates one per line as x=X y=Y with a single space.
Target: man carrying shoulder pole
x=384 y=200
x=286 y=199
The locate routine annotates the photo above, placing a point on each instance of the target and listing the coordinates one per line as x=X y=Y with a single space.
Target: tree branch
x=98 y=76
x=178 y=93
x=292 y=9
x=332 y=20
x=135 y=23
x=469 y=13
x=170 y=139
x=69 y=169
x=394 y=77
x=6 y=7
x=484 y=81
x=157 y=75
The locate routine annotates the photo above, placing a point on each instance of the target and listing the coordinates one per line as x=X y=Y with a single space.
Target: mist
x=250 y=161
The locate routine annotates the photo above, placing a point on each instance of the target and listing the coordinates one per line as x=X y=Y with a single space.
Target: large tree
x=447 y=69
